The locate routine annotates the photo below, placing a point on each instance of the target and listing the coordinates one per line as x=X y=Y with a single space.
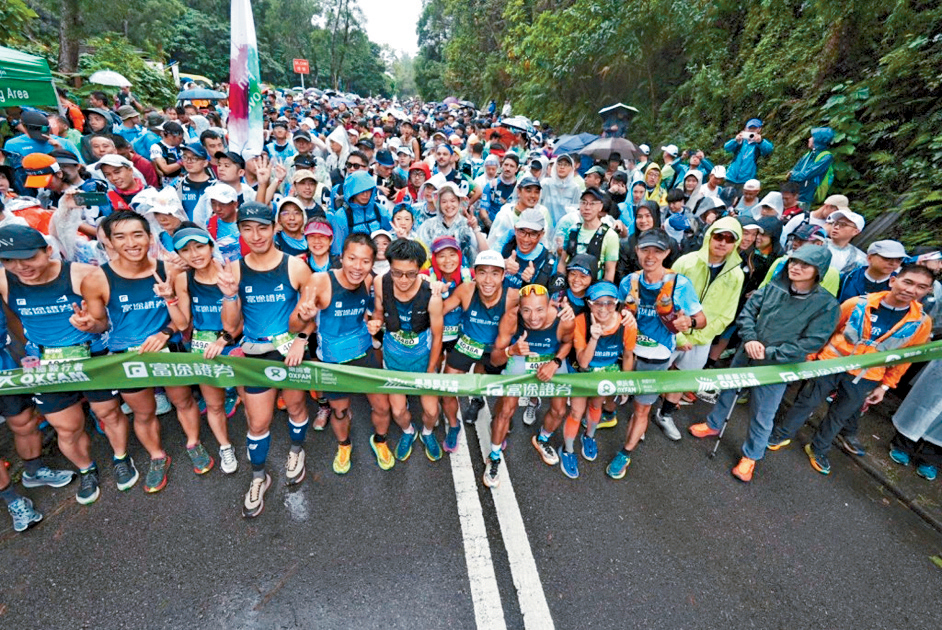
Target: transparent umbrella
x=109 y=77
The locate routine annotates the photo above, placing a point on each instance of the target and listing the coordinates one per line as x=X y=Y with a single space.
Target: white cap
x=489 y=258
x=671 y=150
x=887 y=249
x=751 y=184
x=850 y=215
x=223 y=193
x=719 y=172
x=112 y=159
x=405 y=149
x=385 y=233
x=644 y=149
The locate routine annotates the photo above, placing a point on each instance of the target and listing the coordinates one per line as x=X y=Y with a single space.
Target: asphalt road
x=678 y=543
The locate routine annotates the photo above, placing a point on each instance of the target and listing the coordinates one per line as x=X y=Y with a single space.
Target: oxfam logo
x=276 y=373
x=606 y=388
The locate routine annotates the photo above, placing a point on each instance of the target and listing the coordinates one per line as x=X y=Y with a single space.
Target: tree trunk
x=70 y=25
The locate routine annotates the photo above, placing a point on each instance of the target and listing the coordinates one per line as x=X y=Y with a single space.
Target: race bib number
x=405 y=338
x=647 y=342
x=282 y=343
x=469 y=347
x=450 y=331
x=606 y=368
x=533 y=364
x=138 y=348
x=201 y=340
x=63 y=354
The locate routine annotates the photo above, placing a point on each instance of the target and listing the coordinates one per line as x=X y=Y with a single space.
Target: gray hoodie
x=790 y=326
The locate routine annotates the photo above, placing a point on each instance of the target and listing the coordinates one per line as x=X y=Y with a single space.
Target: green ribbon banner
x=130 y=371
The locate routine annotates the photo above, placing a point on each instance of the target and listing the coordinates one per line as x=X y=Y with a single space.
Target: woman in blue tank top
x=199 y=297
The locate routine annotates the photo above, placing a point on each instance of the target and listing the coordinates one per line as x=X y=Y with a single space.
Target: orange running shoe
x=744 y=469
x=702 y=430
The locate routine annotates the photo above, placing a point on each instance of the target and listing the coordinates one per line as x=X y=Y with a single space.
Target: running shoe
x=590 y=448
x=744 y=469
x=255 y=498
x=709 y=396
x=88 y=491
x=342 y=459
x=529 y=412
x=451 y=439
x=472 y=410
x=618 y=466
x=322 y=417
x=688 y=398
x=202 y=461
x=126 y=409
x=156 y=478
x=569 y=464
x=899 y=456
x=280 y=403
x=46 y=476
x=23 y=513
x=404 y=448
x=850 y=444
x=666 y=424
x=163 y=403
x=609 y=420
x=125 y=473
x=818 y=462
x=295 y=469
x=547 y=453
x=227 y=459
x=384 y=457
x=743 y=398
x=927 y=471
x=201 y=404
x=492 y=472
x=433 y=449
x=702 y=430
x=776 y=443
x=232 y=403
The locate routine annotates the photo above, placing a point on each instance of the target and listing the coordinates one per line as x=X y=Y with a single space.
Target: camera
x=750 y=136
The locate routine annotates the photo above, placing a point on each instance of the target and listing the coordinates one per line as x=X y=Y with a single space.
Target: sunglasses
x=724 y=237
x=533 y=289
x=411 y=275
x=354 y=166
x=606 y=304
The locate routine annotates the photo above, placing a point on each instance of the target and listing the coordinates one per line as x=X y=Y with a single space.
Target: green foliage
x=200 y=44
x=697 y=70
x=113 y=53
x=16 y=18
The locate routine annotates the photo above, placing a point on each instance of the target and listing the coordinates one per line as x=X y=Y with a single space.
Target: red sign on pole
x=301 y=66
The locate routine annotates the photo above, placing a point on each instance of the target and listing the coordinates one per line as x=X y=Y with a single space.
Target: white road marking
x=530 y=595
x=488 y=611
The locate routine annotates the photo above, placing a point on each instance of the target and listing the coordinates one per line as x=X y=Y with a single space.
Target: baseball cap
x=564 y=156
x=887 y=249
x=645 y=149
x=365 y=142
x=529 y=181
x=185 y=235
x=126 y=111
x=112 y=159
x=39 y=169
x=595 y=192
x=64 y=157
x=841 y=202
x=255 y=211
x=232 y=156
x=155 y=120
x=600 y=290
x=445 y=242
x=385 y=158
x=531 y=219
x=20 y=241
x=223 y=193
x=752 y=184
x=850 y=215
x=719 y=172
x=301 y=175
x=655 y=237
x=810 y=232
x=404 y=149
x=318 y=226
x=196 y=149
x=286 y=200
x=302 y=135
x=172 y=128
x=584 y=263
x=281 y=122
x=754 y=122
x=385 y=233
x=596 y=170
x=37 y=125
x=489 y=258
x=671 y=150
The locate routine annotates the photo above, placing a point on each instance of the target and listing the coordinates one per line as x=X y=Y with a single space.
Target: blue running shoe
x=48 y=477
x=570 y=464
x=451 y=439
x=432 y=448
x=927 y=471
x=819 y=462
x=590 y=448
x=618 y=466
x=23 y=513
x=232 y=403
x=201 y=403
x=899 y=456
x=404 y=448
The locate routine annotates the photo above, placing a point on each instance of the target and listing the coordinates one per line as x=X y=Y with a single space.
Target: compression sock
x=9 y=494
x=495 y=451
x=298 y=432
x=570 y=431
x=593 y=417
x=258 y=449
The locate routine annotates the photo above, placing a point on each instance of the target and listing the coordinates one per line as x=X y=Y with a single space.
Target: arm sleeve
x=630 y=336
x=579 y=334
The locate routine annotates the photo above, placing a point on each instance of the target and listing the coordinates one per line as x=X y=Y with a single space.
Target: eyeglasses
x=528 y=233
x=725 y=237
x=606 y=304
x=843 y=225
x=191 y=158
x=411 y=275
x=532 y=289
x=590 y=202
x=354 y=166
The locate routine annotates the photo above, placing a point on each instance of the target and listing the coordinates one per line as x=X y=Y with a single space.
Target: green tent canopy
x=25 y=80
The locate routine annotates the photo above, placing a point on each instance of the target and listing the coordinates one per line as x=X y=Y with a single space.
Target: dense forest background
x=699 y=69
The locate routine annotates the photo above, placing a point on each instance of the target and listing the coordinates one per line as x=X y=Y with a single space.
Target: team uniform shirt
x=268 y=299
x=191 y=196
x=655 y=342
x=544 y=343
x=206 y=307
x=615 y=340
x=135 y=311
x=407 y=350
x=452 y=319
x=479 y=326
x=342 y=334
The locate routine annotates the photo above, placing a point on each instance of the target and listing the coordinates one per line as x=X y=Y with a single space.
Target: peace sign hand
x=81 y=319
x=307 y=309
x=225 y=279
x=162 y=288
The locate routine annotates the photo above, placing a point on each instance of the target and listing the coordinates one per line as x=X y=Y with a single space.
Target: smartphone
x=90 y=199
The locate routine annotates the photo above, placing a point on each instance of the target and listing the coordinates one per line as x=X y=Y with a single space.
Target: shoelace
x=20 y=508
x=122 y=469
x=495 y=468
x=88 y=481
x=228 y=456
x=256 y=490
x=293 y=459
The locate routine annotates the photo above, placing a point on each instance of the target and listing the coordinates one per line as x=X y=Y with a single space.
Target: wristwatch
x=167 y=330
x=225 y=336
x=558 y=361
x=302 y=336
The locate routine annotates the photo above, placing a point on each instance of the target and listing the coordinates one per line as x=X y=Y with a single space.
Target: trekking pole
x=729 y=413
